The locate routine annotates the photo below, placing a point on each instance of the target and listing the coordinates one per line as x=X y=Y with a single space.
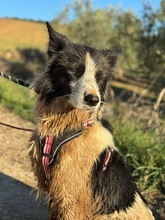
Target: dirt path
x=17 y=183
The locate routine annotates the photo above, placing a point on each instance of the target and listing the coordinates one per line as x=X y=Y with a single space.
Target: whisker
x=103 y=102
x=69 y=95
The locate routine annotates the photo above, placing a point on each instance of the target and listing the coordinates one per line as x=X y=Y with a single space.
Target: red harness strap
x=107 y=159
x=88 y=123
x=47 y=148
x=45 y=159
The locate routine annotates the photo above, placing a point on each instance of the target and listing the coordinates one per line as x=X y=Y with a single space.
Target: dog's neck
x=55 y=118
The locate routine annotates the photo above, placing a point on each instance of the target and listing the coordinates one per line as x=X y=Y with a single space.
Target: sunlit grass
x=144 y=150
x=16 y=98
x=22 y=34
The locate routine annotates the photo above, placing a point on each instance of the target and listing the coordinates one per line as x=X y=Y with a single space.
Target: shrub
x=144 y=150
x=17 y=99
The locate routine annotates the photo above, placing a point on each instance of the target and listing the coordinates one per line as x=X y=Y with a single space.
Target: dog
x=73 y=154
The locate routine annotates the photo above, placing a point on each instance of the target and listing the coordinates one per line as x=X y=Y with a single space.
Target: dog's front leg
x=69 y=211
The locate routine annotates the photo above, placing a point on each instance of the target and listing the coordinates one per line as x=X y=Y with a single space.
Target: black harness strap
x=59 y=142
x=50 y=146
x=57 y=148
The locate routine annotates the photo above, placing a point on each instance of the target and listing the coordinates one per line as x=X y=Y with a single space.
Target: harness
x=50 y=146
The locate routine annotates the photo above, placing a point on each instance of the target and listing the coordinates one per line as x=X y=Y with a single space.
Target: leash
x=17 y=81
x=18 y=128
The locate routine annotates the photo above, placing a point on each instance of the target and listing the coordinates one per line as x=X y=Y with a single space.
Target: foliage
x=152 y=48
x=142 y=38
x=110 y=28
x=143 y=149
x=95 y=23
x=126 y=33
x=18 y=99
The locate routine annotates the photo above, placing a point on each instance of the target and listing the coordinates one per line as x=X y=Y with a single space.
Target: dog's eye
x=79 y=71
x=99 y=75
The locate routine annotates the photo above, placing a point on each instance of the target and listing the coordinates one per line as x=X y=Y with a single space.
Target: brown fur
x=70 y=93
x=69 y=192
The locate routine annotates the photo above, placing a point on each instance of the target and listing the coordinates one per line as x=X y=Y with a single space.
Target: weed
x=144 y=150
x=17 y=99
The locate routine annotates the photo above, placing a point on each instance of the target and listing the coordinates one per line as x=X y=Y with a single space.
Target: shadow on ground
x=18 y=201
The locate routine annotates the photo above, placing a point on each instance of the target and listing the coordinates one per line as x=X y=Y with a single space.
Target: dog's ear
x=41 y=85
x=57 y=41
x=112 y=55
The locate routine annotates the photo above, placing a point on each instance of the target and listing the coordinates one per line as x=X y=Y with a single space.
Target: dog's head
x=77 y=72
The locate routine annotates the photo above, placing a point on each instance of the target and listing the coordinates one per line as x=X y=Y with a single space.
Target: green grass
x=17 y=98
x=144 y=150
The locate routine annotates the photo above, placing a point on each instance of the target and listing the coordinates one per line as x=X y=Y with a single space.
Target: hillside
x=22 y=34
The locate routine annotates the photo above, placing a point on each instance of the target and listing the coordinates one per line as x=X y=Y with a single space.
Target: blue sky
x=47 y=10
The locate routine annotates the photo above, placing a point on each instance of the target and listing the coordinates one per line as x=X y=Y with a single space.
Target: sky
x=47 y=10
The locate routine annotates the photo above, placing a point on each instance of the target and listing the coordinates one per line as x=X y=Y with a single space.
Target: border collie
x=72 y=150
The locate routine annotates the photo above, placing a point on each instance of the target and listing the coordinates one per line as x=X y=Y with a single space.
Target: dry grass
x=22 y=34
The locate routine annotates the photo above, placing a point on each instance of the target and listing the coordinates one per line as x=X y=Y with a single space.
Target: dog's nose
x=91 y=99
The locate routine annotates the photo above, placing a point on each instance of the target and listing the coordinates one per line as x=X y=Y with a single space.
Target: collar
x=50 y=146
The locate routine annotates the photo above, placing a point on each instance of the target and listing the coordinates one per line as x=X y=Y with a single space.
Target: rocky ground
x=17 y=183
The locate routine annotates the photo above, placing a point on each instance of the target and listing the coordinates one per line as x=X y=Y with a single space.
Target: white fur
x=86 y=84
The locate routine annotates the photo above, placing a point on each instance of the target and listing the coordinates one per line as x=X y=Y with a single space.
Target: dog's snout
x=91 y=99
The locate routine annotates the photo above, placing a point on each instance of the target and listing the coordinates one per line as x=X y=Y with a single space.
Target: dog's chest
x=74 y=164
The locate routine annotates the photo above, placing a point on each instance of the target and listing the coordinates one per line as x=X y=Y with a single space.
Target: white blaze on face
x=85 y=85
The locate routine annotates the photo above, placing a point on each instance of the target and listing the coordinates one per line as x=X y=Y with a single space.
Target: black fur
x=114 y=186
x=107 y=125
x=66 y=63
